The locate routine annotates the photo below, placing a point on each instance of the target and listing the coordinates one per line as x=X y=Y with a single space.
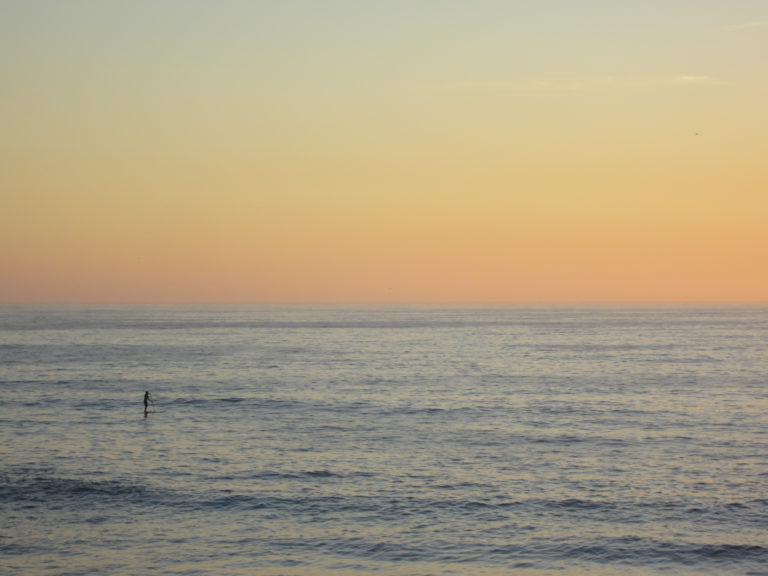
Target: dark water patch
x=394 y=509
x=431 y=411
x=430 y=499
x=319 y=474
x=638 y=551
x=40 y=488
x=630 y=551
x=191 y=401
x=558 y=440
x=13 y=547
x=579 y=504
x=461 y=486
x=237 y=501
x=257 y=403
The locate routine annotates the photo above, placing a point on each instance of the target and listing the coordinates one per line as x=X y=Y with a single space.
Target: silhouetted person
x=147 y=400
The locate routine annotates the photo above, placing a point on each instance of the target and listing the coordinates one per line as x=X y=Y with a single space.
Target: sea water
x=384 y=440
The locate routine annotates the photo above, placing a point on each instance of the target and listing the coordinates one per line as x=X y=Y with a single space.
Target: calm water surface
x=384 y=440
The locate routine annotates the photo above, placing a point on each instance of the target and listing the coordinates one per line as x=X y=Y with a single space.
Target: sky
x=307 y=151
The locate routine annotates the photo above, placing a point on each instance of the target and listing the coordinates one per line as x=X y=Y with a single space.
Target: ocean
x=402 y=440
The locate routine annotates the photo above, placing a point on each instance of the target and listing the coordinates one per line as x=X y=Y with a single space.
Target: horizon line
x=220 y=303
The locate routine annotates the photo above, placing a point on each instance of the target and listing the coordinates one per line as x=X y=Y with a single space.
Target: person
x=147 y=400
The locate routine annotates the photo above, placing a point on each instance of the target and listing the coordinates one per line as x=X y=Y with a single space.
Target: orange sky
x=443 y=152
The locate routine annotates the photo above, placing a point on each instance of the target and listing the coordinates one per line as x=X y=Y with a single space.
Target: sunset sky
x=388 y=151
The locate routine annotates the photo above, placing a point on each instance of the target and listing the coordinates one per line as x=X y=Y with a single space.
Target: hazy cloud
x=694 y=80
x=586 y=84
x=748 y=25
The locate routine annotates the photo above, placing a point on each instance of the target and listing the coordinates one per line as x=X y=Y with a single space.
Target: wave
x=45 y=488
x=647 y=551
x=272 y=475
x=512 y=532
x=293 y=491
x=634 y=551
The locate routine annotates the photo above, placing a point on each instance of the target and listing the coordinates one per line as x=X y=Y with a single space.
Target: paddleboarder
x=147 y=400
